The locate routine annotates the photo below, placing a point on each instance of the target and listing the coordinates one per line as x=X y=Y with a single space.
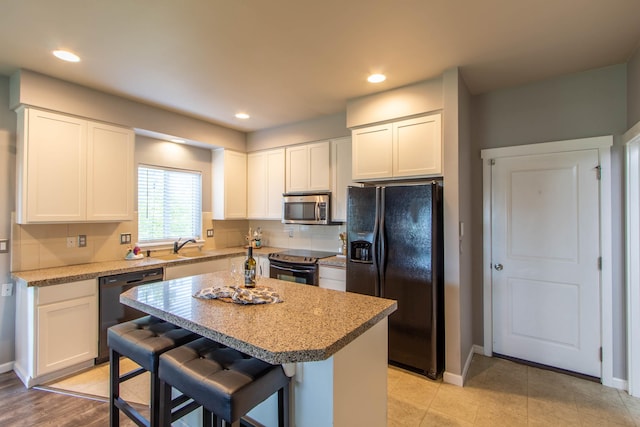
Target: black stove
x=299 y=256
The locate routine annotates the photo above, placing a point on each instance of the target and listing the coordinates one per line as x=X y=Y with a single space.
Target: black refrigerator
x=395 y=250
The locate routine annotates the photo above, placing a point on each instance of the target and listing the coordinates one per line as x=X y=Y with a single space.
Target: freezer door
x=408 y=275
x=362 y=272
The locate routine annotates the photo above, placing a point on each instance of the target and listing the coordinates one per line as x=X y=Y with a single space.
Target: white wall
x=7 y=198
x=324 y=127
x=586 y=104
x=633 y=89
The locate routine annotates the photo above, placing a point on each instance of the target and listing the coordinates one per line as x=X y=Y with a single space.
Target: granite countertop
x=311 y=324
x=72 y=273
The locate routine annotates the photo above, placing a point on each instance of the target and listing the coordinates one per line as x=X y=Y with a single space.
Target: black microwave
x=306 y=208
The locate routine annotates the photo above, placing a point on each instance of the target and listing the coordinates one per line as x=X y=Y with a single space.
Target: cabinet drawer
x=66 y=291
x=333 y=273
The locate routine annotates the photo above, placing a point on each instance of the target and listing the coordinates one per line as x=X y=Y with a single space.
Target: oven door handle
x=293 y=270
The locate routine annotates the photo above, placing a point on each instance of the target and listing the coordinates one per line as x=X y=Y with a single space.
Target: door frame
x=603 y=145
x=632 y=141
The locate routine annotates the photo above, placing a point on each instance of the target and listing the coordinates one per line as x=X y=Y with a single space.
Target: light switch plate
x=82 y=240
x=4 y=246
x=210 y=232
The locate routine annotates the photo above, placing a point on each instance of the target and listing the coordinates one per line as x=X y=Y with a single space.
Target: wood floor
x=28 y=408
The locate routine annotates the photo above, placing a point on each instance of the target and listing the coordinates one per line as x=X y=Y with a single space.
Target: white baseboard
x=6 y=367
x=459 y=380
x=454 y=379
x=478 y=349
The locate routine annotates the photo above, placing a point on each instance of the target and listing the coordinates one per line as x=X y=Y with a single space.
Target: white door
x=546 y=249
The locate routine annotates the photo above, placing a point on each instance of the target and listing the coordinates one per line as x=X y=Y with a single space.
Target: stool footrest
x=181 y=412
x=130 y=412
x=132 y=374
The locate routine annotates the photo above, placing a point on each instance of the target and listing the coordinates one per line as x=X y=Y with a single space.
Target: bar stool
x=226 y=382
x=141 y=340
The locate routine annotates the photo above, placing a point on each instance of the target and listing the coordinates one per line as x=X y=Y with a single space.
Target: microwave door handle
x=317 y=211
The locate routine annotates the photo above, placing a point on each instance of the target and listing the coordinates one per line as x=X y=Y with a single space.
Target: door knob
x=498 y=267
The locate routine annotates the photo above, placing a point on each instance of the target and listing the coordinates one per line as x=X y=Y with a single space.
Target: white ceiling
x=284 y=61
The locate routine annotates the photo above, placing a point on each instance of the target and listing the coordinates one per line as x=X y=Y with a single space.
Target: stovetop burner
x=300 y=256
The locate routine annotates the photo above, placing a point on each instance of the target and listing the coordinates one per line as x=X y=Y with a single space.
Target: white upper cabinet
x=72 y=170
x=372 y=152
x=265 y=184
x=110 y=172
x=341 y=177
x=229 y=184
x=308 y=167
x=402 y=149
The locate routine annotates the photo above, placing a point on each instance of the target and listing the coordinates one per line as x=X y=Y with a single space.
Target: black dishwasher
x=112 y=311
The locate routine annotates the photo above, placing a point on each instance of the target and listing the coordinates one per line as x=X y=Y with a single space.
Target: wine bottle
x=250 y=269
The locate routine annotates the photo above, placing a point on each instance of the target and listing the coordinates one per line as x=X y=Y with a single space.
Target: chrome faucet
x=177 y=245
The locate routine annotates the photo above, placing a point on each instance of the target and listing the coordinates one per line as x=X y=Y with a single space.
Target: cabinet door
x=319 y=166
x=417 y=147
x=332 y=278
x=341 y=170
x=372 y=152
x=183 y=270
x=256 y=188
x=265 y=184
x=275 y=183
x=236 y=185
x=54 y=161
x=109 y=173
x=67 y=333
x=229 y=172
x=297 y=175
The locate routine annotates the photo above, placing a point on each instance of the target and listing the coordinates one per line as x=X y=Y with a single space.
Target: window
x=169 y=204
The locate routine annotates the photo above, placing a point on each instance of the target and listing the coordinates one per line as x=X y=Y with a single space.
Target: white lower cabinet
x=56 y=330
x=333 y=278
x=195 y=268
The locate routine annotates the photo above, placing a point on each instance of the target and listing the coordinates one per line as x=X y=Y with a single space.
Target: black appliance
x=111 y=310
x=395 y=250
x=300 y=266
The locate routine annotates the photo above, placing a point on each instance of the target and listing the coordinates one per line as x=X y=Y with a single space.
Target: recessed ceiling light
x=177 y=141
x=65 y=55
x=376 y=78
x=242 y=116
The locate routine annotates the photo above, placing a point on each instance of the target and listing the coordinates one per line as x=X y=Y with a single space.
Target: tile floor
x=503 y=393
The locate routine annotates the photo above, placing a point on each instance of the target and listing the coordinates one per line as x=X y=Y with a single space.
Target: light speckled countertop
x=311 y=324
x=73 y=273
x=334 y=261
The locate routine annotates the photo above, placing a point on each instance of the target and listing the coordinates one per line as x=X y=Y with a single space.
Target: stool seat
x=226 y=382
x=142 y=340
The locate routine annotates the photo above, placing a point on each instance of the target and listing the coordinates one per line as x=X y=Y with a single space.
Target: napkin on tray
x=240 y=295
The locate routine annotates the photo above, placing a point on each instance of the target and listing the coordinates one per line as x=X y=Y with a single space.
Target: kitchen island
x=334 y=342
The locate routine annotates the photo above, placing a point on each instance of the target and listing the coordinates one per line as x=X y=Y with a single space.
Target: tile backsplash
x=36 y=246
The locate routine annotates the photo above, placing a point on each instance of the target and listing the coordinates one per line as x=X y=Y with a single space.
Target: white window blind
x=169 y=204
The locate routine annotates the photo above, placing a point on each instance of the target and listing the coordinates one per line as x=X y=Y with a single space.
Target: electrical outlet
x=7 y=289
x=210 y=232
x=71 y=242
x=125 y=238
x=82 y=240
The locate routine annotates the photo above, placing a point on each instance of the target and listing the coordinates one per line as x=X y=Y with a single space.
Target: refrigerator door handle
x=374 y=244
x=382 y=255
